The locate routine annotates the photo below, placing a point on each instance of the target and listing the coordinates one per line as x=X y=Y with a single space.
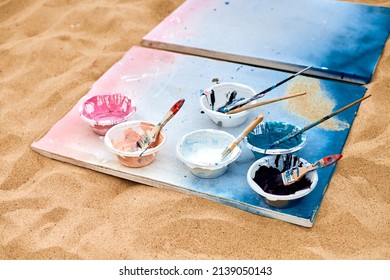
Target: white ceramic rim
x=204 y=166
x=105 y=122
x=128 y=124
x=272 y=197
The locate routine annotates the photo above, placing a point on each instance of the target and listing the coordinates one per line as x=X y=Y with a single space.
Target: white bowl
x=279 y=200
x=201 y=151
x=265 y=133
x=121 y=140
x=221 y=92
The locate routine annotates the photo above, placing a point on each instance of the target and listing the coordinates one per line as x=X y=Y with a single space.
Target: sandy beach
x=51 y=53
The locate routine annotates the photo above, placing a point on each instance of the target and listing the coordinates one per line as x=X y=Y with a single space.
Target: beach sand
x=51 y=52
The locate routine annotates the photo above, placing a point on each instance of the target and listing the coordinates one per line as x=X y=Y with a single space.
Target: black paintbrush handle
x=262 y=93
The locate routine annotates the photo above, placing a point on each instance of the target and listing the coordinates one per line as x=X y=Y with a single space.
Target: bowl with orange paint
x=103 y=111
x=122 y=139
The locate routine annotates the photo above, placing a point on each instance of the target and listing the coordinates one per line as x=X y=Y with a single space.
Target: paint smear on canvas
x=314 y=105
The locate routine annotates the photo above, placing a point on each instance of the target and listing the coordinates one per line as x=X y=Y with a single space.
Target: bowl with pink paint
x=103 y=111
x=122 y=139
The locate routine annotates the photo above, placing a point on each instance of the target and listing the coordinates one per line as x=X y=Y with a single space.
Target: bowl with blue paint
x=201 y=151
x=214 y=99
x=261 y=139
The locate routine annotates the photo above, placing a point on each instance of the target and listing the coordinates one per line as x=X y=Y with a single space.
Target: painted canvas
x=341 y=40
x=155 y=79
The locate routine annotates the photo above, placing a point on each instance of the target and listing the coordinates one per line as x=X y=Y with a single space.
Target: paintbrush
x=212 y=99
x=243 y=102
x=296 y=133
x=236 y=141
x=151 y=135
x=247 y=107
x=297 y=173
x=231 y=99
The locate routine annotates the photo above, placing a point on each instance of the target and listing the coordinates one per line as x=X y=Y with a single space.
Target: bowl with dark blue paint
x=260 y=139
x=264 y=177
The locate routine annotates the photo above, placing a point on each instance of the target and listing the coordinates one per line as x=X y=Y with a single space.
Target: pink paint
x=103 y=111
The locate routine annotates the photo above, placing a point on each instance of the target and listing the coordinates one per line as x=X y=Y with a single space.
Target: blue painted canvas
x=156 y=79
x=341 y=40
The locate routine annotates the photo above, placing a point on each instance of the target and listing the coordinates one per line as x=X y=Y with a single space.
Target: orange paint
x=128 y=144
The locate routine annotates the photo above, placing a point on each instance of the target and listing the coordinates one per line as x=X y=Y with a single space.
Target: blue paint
x=268 y=132
x=341 y=40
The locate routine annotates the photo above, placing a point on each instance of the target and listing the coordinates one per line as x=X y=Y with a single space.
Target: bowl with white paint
x=201 y=151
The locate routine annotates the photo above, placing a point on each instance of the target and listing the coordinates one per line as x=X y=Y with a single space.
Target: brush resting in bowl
x=269 y=179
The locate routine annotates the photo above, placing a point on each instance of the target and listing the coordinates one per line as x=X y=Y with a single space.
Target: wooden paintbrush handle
x=251 y=126
x=174 y=109
x=300 y=172
x=150 y=136
x=244 y=108
x=324 y=162
x=248 y=129
x=296 y=133
x=166 y=118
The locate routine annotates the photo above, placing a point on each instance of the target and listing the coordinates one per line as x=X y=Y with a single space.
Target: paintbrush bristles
x=236 y=141
x=293 y=175
x=228 y=150
x=297 y=173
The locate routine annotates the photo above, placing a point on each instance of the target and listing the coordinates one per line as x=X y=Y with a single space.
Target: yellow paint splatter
x=314 y=105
